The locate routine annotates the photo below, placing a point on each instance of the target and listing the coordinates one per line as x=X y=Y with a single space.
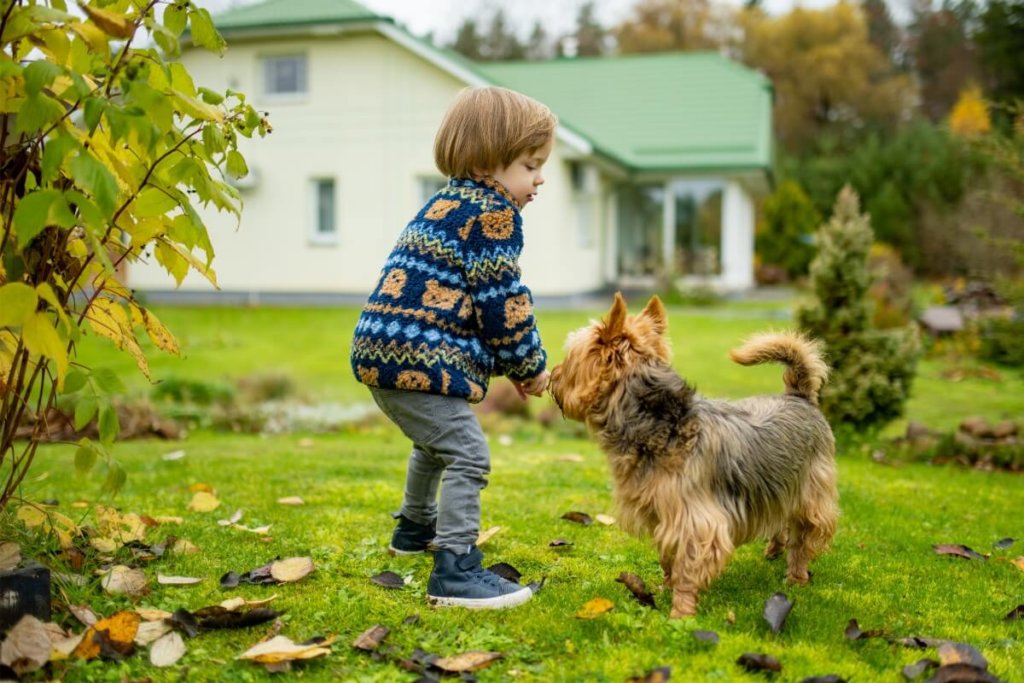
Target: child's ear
x=655 y=312
x=616 y=318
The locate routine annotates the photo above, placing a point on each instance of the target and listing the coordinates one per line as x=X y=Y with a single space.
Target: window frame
x=316 y=236
x=266 y=60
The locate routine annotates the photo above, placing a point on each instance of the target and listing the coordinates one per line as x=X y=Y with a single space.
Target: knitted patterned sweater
x=449 y=309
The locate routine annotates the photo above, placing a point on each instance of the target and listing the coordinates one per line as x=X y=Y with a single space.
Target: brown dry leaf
x=177 y=580
x=27 y=646
x=659 y=675
x=117 y=631
x=961 y=653
x=150 y=614
x=291 y=500
x=291 y=569
x=203 y=501
x=958 y=550
x=151 y=631
x=487 y=535
x=578 y=517
x=594 y=608
x=124 y=580
x=370 y=639
x=467 y=661
x=10 y=556
x=283 y=649
x=118 y=526
x=1018 y=562
x=759 y=662
x=84 y=614
x=638 y=588
x=167 y=650
x=607 y=520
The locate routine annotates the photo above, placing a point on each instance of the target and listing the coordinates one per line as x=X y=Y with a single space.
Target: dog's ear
x=616 y=319
x=655 y=312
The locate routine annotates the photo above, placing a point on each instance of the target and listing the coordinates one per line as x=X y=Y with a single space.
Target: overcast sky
x=442 y=17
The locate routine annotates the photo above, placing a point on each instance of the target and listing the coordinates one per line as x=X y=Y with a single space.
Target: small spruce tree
x=872 y=369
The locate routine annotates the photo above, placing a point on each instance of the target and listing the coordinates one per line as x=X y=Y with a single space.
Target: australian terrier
x=703 y=476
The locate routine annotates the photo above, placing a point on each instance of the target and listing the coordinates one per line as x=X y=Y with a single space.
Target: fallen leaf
x=755 y=662
x=1004 y=543
x=659 y=675
x=27 y=646
x=111 y=638
x=177 y=580
x=487 y=535
x=388 y=579
x=1015 y=614
x=233 y=604
x=150 y=614
x=200 y=486
x=292 y=569
x=706 y=636
x=467 y=661
x=184 y=547
x=84 y=614
x=283 y=649
x=291 y=500
x=962 y=673
x=830 y=678
x=594 y=608
x=49 y=522
x=167 y=650
x=168 y=519
x=121 y=527
x=61 y=647
x=560 y=543
x=1018 y=562
x=776 y=609
x=203 y=501
x=912 y=671
x=578 y=517
x=104 y=545
x=173 y=455
x=506 y=571
x=853 y=631
x=961 y=653
x=233 y=519
x=306 y=442
x=607 y=520
x=370 y=639
x=10 y=555
x=638 y=588
x=184 y=621
x=730 y=617
x=216 y=617
x=151 y=631
x=122 y=580
x=958 y=550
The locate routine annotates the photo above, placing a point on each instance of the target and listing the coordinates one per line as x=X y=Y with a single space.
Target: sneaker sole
x=392 y=550
x=500 y=602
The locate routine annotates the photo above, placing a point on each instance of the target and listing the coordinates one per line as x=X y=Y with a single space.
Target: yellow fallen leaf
x=487 y=535
x=283 y=649
x=203 y=501
x=467 y=661
x=10 y=555
x=120 y=628
x=177 y=580
x=150 y=614
x=1018 y=562
x=291 y=500
x=184 y=546
x=104 y=545
x=571 y=457
x=197 y=487
x=291 y=569
x=49 y=521
x=594 y=608
x=607 y=520
x=169 y=519
x=121 y=579
x=235 y=603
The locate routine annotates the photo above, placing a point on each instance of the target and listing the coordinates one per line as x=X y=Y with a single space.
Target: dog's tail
x=807 y=371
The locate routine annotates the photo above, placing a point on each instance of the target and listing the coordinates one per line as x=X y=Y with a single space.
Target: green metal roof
x=661 y=112
x=283 y=13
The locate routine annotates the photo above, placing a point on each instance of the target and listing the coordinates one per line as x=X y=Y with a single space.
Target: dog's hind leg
x=814 y=523
x=775 y=546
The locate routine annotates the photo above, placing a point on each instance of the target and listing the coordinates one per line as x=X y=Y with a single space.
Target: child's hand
x=534 y=386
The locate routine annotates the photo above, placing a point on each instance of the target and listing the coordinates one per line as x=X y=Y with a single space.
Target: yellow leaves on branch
x=969 y=117
x=108 y=318
x=112 y=23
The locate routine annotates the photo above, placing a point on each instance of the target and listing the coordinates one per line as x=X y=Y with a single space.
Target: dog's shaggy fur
x=704 y=476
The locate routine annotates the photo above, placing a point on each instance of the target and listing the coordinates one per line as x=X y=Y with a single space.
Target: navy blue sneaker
x=411 y=538
x=460 y=581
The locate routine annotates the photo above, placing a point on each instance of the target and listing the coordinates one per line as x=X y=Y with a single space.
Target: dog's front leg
x=699 y=559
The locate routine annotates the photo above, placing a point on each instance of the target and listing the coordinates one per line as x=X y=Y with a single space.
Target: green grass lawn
x=881 y=570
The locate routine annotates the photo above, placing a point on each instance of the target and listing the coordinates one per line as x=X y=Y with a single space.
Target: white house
x=655 y=168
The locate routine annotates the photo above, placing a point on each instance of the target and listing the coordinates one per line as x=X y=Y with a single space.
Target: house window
x=584 y=193
x=325 y=224
x=431 y=185
x=284 y=75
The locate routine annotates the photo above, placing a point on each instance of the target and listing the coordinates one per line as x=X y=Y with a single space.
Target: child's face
x=523 y=176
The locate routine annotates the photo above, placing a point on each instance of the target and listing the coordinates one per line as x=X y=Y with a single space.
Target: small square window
x=431 y=185
x=284 y=75
x=325 y=225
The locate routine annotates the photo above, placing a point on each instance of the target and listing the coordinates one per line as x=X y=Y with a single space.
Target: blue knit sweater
x=449 y=309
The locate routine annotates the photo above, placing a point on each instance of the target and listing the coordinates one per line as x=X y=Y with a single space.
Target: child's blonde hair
x=487 y=128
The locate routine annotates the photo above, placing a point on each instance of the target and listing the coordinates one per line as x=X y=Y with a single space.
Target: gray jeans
x=449 y=448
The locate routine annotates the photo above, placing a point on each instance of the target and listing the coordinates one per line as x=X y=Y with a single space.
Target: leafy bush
x=109 y=150
x=872 y=370
x=786 y=237
x=1002 y=341
x=193 y=392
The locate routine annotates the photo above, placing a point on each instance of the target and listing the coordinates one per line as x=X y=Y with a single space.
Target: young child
x=448 y=312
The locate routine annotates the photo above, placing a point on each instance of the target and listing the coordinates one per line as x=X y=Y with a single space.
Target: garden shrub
x=872 y=370
x=1002 y=341
x=193 y=392
x=786 y=237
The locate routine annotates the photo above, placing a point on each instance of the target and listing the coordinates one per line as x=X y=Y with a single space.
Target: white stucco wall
x=368 y=121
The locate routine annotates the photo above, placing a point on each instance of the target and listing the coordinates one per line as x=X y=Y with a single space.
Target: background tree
x=591 y=37
x=786 y=238
x=828 y=77
x=872 y=370
x=883 y=32
x=539 y=44
x=1000 y=41
x=106 y=151
x=943 y=54
x=665 y=25
x=468 y=42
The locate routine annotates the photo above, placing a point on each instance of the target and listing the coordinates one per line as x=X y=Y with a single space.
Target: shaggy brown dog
x=704 y=476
